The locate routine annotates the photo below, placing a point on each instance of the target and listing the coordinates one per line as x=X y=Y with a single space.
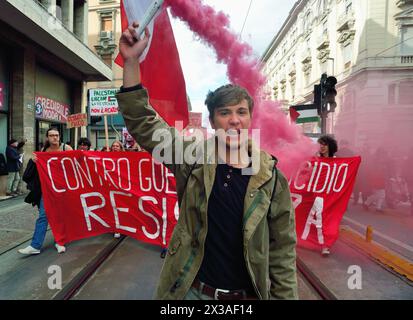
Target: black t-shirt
x=224 y=265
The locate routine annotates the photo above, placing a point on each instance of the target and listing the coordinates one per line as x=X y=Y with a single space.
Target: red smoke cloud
x=278 y=137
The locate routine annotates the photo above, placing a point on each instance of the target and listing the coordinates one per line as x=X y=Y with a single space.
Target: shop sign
x=49 y=109
x=103 y=101
x=77 y=120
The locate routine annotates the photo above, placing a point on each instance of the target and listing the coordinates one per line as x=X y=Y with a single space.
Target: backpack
x=29 y=174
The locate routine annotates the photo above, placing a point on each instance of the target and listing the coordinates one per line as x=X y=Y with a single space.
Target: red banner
x=90 y=193
x=320 y=193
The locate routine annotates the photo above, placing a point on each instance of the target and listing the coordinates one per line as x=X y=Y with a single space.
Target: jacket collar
x=261 y=170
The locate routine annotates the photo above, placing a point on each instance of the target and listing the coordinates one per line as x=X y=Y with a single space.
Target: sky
x=202 y=72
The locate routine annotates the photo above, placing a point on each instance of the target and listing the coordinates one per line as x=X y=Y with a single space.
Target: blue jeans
x=40 y=228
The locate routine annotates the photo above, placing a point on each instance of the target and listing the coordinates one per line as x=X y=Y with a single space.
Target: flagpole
x=75 y=144
x=105 y=117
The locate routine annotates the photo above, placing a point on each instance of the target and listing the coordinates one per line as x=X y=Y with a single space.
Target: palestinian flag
x=303 y=114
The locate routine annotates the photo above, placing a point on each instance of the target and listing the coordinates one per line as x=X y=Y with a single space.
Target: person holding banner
x=117 y=146
x=83 y=144
x=328 y=148
x=235 y=236
x=52 y=145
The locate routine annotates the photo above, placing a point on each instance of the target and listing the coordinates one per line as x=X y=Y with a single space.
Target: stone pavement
x=17 y=220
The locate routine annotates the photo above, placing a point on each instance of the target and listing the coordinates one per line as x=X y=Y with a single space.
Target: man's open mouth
x=233 y=132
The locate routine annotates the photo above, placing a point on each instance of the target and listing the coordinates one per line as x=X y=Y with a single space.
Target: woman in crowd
x=328 y=148
x=115 y=147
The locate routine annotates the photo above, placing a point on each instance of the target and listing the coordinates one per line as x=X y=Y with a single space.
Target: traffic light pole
x=323 y=118
x=324 y=99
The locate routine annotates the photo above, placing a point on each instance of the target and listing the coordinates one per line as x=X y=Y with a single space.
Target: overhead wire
x=246 y=17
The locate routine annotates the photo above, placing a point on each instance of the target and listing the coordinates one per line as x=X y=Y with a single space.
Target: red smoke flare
x=278 y=137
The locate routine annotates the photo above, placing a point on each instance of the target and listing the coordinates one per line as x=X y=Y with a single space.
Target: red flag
x=161 y=71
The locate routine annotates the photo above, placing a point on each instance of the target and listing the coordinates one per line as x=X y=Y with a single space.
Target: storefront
x=53 y=103
x=4 y=100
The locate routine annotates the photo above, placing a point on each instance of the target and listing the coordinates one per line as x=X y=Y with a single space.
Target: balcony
x=400 y=62
x=306 y=55
x=323 y=41
x=406 y=59
x=401 y=3
x=107 y=44
x=43 y=28
x=346 y=21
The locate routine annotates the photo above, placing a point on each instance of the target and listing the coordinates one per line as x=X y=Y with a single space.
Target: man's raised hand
x=130 y=46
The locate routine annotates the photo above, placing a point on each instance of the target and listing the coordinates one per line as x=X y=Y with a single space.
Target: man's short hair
x=11 y=141
x=52 y=129
x=227 y=95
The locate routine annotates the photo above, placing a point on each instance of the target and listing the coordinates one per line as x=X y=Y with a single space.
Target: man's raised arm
x=140 y=118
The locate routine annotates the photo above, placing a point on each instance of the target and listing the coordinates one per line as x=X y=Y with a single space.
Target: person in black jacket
x=13 y=167
x=53 y=144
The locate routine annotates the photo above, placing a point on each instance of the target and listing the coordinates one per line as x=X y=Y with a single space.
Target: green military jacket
x=268 y=223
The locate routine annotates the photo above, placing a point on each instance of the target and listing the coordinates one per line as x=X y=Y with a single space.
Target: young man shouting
x=235 y=237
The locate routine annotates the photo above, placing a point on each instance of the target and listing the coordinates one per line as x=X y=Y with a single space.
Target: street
x=132 y=269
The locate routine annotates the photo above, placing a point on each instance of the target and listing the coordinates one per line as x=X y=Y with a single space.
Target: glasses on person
x=53 y=135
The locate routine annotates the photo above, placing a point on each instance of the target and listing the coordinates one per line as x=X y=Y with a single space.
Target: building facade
x=104 y=33
x=44 y=64
x=367 y=45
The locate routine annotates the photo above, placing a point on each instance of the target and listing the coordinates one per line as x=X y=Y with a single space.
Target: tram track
x=323 y=292
x=70 y=290
x=119 y=269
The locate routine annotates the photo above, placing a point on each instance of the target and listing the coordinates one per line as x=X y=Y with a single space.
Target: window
x=107 y=58
x=325 y=27
x=347 y=53
x=348 y=4
x=293 y=36
x=324 y=67
x=59 y=9
x=391 y=97
x=307 y=21
x=324 y=5
x=405 y=92
x=406 y=46
x=107 y=24
x=348 y=101
x=400 y=93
